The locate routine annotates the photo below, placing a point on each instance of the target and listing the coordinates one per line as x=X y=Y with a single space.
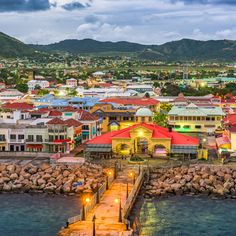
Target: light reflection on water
x=188 y=216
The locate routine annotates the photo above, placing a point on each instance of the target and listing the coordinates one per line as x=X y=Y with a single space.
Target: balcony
x=3 y=140
x=34 y=141
x=17 y=140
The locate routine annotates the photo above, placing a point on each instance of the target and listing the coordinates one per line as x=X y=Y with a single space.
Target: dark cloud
x=24 y=5
x=75 y=6
x=212 y=2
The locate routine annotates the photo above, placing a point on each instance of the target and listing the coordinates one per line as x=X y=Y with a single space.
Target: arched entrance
x=159 y=150
x=123 y=149
x=141 y=145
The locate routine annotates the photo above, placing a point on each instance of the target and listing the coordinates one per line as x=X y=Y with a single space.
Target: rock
x=41 y=182
x=11 y=168
x=44 y=166
x=6 y=187
x=2 y=167
x=13 y=176
x=66 y=173
x=46 y=176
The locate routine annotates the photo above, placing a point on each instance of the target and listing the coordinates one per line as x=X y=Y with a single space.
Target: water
x=35 y=215
x=188 y=216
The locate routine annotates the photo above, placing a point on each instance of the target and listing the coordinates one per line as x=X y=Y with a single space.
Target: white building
x=10 y=94
x=71 y=82
x=41 y=83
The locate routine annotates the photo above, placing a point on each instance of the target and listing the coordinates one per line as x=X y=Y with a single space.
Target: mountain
x=75 y=46
x=182 y=50
x=188 y=49
x=11 y=47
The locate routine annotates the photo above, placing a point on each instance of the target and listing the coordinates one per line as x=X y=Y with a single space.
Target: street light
x=120 y=213
x=127 y=189
x=94 y=226
x=85 y=202
x=109 y=173
x=132 y=175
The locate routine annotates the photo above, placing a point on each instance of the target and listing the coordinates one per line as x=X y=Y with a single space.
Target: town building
x=193 y=118
x=141 y=139
x=72 y=82
x=40 y=84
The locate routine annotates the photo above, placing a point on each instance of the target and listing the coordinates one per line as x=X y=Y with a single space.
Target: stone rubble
x=50 y=178
x=217 y=181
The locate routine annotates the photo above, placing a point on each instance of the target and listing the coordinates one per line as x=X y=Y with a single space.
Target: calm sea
x=188 y=216
x=35 y=215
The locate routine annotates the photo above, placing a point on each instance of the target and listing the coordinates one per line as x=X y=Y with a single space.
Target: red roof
x=18 y=106
x=72 y=122
x=56 y=121
x=55 y=113
x=158 y=132
x=106 y=85
x=132 y=101
x=69 y=108
x=233 y=128
x=85 y=115
x=230 y=119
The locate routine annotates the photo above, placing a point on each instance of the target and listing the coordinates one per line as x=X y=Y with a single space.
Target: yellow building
x=192 y=118
x=120 y=117
x=142 y=138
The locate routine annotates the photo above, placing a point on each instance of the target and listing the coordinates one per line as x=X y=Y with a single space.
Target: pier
x=109 y=216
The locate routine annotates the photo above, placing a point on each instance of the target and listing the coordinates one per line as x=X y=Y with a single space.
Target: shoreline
x=206 y=180
x=50 y=178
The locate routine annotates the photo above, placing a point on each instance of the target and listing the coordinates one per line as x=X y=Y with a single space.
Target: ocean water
x=188 y=216
x=35 y=215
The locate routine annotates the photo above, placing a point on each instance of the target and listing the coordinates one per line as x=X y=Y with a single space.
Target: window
x=142 y=119
x=30 y=138
x=125 y=118
x=186 y=126
x=85 y=127
x=39 y=138
x=177 y=126
x=13 y=136
x=51 y=138
x=62 y=137
x=185 y=118
x=21 y=136
x=2 y=137
x=194 y=118
x=198 y=126
x=198 y=118
x=150 y=119
x=8 y=117
x=213 y=118
x=112 y=118
x=208 y=118
x=171 y=117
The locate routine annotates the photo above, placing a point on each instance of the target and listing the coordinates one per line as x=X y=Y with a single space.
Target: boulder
x=13 y=176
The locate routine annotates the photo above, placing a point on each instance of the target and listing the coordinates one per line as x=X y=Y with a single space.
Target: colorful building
x=193 y=118
x=142 y=138
x=120 y=117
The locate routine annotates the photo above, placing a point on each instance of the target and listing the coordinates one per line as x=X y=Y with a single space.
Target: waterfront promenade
x=106 y=212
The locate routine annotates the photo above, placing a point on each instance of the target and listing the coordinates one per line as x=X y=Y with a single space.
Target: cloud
x=211 y=2
x=24 y=5
x=75 y=6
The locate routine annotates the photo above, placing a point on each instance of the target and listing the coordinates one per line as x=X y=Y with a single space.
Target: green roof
x=193 y=110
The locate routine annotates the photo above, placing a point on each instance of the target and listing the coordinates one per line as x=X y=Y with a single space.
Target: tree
x=37 y=87
x=43 y=92
x=22 y=88
x=160 y=119
x=147 y=95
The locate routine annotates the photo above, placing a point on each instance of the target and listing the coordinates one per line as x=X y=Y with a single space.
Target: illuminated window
x=198 y=126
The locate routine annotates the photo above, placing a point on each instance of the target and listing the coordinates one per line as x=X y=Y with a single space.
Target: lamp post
x=120 y=213
x=127 y=189
x=94 y=225
x=132 y=175
x=85 y=202
x=97 y=195
x=107 y=179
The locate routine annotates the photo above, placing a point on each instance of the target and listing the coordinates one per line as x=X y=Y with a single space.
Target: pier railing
x=94 y=199
x=133 y=194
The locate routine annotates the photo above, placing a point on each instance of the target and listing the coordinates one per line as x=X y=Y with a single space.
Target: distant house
x=72 y=82
x=32 y=84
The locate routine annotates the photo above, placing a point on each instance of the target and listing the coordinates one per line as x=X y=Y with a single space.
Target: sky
x=141 y=21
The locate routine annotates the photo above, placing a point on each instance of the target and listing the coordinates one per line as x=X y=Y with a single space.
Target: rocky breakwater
x=217 y=181
x=50 y=178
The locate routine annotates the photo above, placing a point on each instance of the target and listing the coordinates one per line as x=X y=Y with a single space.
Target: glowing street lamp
x=132 y=175
x=85 y=202
x=109 y=173
x=118 y=201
